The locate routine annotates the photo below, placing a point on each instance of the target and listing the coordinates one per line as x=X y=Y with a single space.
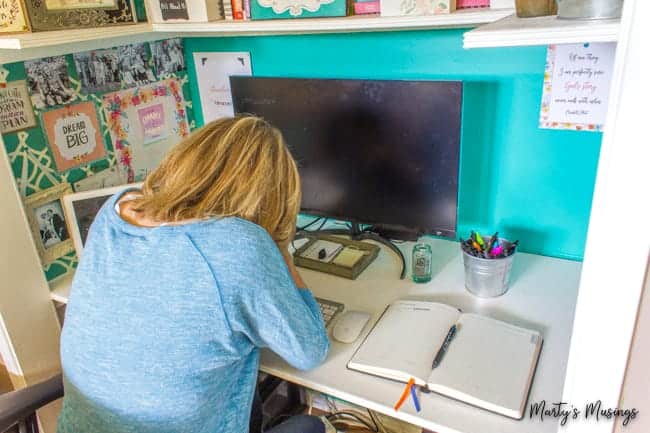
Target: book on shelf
x=465 y=4
x=227 y=9
x=237 y=9
x=393 y=8
x=366 y=7
x=487 y=363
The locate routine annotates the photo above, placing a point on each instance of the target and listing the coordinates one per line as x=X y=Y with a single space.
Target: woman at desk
x=181 y=284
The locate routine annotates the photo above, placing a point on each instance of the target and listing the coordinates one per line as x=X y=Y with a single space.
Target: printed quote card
x=213 y=71
x=576 y=86
x=74 y=135
x=16 y=111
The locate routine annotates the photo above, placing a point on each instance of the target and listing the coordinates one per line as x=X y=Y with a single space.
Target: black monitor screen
x=368 y=151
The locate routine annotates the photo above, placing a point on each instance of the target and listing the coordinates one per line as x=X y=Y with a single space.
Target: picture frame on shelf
x=13 y=17
x=48 y=224
x=184 y=11
x=45 y=15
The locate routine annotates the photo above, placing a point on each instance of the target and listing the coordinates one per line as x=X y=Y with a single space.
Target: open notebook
x=488 y=363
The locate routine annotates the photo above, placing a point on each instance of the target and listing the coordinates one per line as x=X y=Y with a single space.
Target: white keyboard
x=329 y=309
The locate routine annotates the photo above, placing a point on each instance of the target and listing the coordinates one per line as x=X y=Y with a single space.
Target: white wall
x=29 y=328
x=636 y=388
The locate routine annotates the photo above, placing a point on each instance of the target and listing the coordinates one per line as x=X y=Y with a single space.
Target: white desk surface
x=542 y=296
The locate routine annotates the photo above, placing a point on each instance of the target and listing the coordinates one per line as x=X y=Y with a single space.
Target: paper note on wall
x=576 y=86
x=213 y=71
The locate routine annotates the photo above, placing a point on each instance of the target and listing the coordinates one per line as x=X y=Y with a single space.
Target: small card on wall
x=213 y=71
x=576 y=86
x=16 y=111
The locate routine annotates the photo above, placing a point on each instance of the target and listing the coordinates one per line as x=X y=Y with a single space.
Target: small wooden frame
x=370 y=253
x=46 y=217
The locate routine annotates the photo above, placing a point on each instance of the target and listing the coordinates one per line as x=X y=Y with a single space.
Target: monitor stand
x=369 y=233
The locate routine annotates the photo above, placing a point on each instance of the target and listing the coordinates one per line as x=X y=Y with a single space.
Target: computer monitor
x=369 y=151
x=81 y=208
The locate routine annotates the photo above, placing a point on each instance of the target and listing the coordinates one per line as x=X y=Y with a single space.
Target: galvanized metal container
x=589 y=9
x=488 y=278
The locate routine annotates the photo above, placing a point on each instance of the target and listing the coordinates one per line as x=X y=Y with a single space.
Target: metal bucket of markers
x=487 y=276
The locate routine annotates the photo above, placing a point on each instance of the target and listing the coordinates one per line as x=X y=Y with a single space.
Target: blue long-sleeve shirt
x=164 y=326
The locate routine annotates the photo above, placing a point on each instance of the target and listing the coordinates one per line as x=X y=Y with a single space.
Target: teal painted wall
x=531 y=184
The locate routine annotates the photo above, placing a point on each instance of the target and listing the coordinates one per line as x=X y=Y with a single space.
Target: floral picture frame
x=138 y=150
x=46 y=216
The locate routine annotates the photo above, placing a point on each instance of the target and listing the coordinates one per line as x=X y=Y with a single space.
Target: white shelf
x=25 y=46
x=60 y=288
x=512 y=31
x=461 y=18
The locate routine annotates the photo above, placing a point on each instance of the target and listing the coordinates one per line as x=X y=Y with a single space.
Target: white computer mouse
x=349 y=325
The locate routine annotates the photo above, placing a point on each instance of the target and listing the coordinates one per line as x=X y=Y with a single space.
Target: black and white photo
x=134 y=65
x=168 y=56
x=98 y=70
x=49 y=82
x=51 y=223
x=48 y=223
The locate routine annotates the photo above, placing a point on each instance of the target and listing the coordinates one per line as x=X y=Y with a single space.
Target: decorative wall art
x=576 y=86
x=213 y=71
x=31 y=152
x=134 y=65
x=16 y=111
x=144 y=123
x=49 y=82
x=49 y=228
x=74 y=135
x=168 y=56
x=98 y=70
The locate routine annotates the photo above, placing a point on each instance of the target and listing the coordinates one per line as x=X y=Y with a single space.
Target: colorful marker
x=405 y=393
x=416 y=402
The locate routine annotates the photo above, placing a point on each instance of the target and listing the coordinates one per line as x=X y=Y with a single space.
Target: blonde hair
x=231 y=167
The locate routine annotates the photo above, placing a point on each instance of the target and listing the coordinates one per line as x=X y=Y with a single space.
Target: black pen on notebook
x=445 y=345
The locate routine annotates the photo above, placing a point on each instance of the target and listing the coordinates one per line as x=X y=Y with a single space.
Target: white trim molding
x=618 y=240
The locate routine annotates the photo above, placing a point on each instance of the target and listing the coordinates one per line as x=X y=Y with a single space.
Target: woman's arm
x=288 y=259
x=261 y=297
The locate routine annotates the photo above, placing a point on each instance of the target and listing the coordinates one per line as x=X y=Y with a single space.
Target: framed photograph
x=13 y=18
x=74 y=135
x=49 y=82
x=168 y=57
x=134 y=65
x=47 y=220
x=144 y=123
x=16 y=111
x=69 y=14
x=98 y=71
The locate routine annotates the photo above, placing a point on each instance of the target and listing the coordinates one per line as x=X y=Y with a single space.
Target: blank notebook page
x=406 y=336
x=489 y=361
